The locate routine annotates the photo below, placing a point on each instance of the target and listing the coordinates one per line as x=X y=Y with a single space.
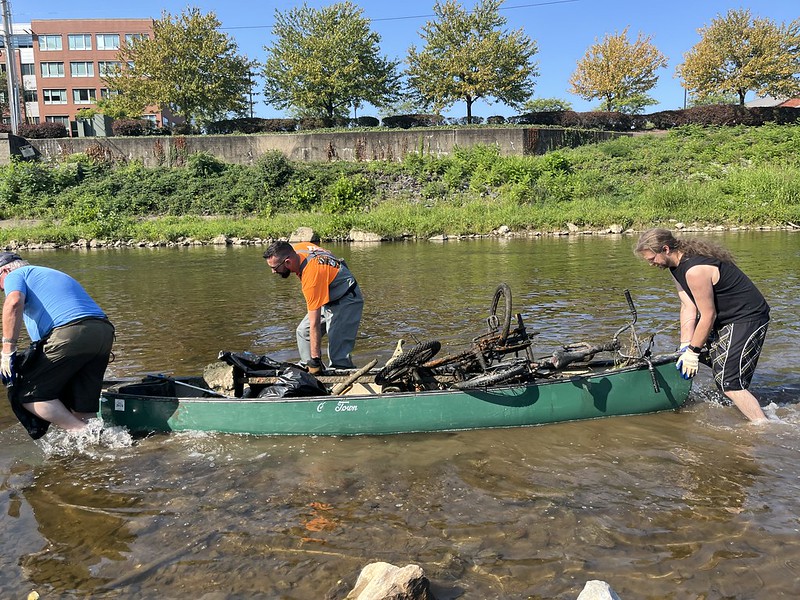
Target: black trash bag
x=33 y=424
x=252 y=365
x=294 y=382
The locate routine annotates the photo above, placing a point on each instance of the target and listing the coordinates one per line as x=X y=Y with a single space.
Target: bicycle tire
x=492 y=378
x=503 y=291
x=415 y=357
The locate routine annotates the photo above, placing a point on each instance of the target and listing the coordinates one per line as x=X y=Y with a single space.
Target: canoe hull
x=626 y=391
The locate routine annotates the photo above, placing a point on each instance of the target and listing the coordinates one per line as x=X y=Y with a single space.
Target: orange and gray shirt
x=323 y=277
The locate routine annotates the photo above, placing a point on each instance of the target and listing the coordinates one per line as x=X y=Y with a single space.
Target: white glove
x=683 y=345
x=688 y=364
x=6 y=370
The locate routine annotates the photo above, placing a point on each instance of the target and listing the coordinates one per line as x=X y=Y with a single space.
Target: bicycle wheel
x=415 y=357
x=504 y=321
x=492 y=378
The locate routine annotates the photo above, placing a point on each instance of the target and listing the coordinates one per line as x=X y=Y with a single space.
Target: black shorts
x=734 y=352
x=70 y=366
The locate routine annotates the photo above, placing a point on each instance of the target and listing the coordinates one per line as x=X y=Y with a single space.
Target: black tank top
x=736 y=298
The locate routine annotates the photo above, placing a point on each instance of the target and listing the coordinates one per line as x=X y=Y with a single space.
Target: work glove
x=8 y=367
x=314 y=366
x=683 y=346
x=687 y=364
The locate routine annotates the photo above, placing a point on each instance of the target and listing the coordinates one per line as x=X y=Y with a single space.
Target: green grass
x=720 y=175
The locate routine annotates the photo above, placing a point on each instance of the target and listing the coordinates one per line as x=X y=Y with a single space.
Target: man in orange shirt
x=333 y=300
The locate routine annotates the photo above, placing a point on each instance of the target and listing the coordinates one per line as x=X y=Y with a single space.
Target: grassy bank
x=735 y=176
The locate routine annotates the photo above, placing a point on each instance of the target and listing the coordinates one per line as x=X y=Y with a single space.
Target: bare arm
x=315 y=332
x=700 y=280
x=688 y=315
x=12 y=318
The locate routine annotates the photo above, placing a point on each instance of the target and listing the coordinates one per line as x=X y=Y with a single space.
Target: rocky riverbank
x=359 y=236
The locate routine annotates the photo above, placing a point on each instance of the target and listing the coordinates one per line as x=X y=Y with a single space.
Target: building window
x=28 y=69
x=56 y=119
x=54 y=96
x=22 y=40
x=108 y=68
x=81 y=69
x=84 y=95
x=52 y=69
x=108 y=41
x=30 y=96
x=107 y=93
x=130 y=38
x=32 y=120
x=49 y=42
x=80 y=41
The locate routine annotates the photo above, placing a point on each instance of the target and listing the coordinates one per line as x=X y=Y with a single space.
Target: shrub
x=303 y=194
x=347 y=194
x=251 y=125
x=42 y=130
x=307 y=123
x=203 y=164
x=556 y=163
x=463 y=121
x=496 y=120
x=367 y=122
x=606 y=120
x=130 y=127
x=409 y=121
x=275 y=168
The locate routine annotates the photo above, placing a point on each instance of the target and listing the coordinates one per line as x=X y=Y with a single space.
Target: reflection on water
x=696 y=504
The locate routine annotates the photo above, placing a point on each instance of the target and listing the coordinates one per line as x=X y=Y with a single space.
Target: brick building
x=62 y=63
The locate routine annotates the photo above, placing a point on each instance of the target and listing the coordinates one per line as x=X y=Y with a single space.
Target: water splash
x=91 y=441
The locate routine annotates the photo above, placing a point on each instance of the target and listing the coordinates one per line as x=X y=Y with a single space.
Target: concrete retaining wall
x=390 y=145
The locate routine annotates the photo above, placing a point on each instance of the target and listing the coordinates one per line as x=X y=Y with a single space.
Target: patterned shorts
x=734 y=352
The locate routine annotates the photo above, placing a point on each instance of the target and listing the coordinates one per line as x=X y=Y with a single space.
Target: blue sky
x=563 y=30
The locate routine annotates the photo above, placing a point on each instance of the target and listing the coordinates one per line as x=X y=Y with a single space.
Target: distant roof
x=771 y=101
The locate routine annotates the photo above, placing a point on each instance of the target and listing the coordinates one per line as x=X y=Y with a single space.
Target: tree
x=325 y=61
x=546 y=105
x=738 y=53
x=187 y=65
x=618 y=72
x=467 y=56
x=712 y=99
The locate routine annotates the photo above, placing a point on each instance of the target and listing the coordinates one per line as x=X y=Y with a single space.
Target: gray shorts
x=69 y=366
x=734 y=352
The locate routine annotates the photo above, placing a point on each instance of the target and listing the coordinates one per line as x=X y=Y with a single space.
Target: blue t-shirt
x=52 y=299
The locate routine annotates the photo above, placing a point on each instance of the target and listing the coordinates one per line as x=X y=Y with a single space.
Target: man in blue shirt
x=72 y=338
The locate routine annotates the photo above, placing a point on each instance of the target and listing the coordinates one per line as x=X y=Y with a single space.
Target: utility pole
x=11 y=68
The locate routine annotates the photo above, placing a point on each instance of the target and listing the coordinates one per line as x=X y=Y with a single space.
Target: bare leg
x=747 y=403
x=85 y=416
x=58 y=414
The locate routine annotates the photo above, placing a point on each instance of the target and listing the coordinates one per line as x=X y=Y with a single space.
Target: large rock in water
x=597 y=590
x=304 y=234
x=384 y=581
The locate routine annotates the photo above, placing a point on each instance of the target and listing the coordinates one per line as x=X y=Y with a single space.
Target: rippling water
x=695 y=504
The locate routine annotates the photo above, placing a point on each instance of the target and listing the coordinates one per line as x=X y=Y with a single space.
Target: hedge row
x=722 y=114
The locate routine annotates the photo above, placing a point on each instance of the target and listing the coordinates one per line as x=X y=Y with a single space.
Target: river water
x=693 y=504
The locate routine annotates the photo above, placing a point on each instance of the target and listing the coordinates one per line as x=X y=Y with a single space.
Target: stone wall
x=390 y=145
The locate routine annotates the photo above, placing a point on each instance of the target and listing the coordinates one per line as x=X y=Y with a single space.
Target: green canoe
x=170 y=404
